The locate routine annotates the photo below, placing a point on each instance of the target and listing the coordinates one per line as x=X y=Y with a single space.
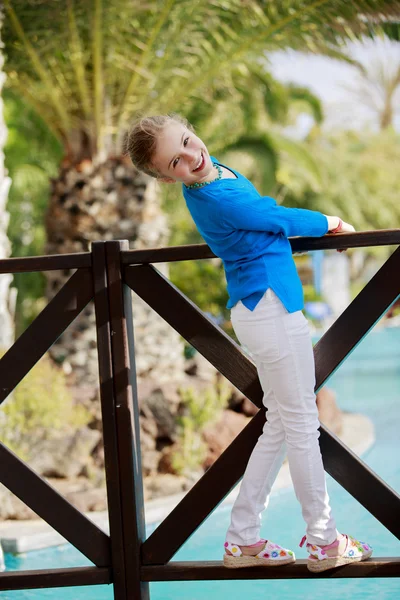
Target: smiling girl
x=250 y=232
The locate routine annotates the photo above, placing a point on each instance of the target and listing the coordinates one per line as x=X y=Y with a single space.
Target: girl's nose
x=189 y=154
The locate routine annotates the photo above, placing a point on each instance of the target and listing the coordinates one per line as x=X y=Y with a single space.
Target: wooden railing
x=125 y=558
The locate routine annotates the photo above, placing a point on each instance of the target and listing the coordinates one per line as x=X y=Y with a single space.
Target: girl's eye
x=185 y=142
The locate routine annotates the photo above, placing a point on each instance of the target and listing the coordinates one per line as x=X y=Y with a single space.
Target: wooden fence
x=125 y=558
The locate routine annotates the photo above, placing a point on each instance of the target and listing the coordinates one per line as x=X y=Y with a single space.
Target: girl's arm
x=261 y=213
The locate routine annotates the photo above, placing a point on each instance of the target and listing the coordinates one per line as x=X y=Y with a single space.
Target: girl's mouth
x=200 y=164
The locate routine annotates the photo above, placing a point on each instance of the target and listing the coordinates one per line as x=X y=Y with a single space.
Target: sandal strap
x=354 y=548
x=274 y=552
x=233 y=549
x=270 y=551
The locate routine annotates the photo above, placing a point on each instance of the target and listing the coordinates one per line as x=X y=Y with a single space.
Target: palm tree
x=6 y=323
x=88 y=68
x=377 y=86
x=249 y=116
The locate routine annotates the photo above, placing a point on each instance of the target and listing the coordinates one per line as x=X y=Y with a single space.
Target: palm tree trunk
x=109 y=201
x=6 y=321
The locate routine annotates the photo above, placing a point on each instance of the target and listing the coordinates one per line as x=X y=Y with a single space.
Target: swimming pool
x=369 y=382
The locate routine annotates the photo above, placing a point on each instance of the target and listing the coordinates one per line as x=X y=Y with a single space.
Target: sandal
x=270 y=555
x=319 y=560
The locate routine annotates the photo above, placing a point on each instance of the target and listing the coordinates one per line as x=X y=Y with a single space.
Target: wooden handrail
x=126 y=559
x=363 y=239
x=53 y=262
x=28 y=264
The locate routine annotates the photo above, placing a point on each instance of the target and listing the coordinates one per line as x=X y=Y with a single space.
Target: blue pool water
x=369 y=383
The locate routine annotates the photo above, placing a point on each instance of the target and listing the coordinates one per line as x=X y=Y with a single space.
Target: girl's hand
x=346 y=228
x=336 y=225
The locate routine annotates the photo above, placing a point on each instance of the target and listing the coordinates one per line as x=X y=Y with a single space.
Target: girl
x=250 y=234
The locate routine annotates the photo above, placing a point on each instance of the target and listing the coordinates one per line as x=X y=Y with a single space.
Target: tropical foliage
x=377 y=83
x=41 y=407
x=199 y=410
x=359 y=180
x=87 y=68
x=32 y=156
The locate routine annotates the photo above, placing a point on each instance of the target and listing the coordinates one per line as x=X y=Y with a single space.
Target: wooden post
x=108 y=410
x=127 y=421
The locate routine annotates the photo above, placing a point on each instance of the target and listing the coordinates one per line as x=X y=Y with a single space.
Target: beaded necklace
x=198 y=185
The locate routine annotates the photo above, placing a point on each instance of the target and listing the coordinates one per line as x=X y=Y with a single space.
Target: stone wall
x=109 y=201
x=74 y=462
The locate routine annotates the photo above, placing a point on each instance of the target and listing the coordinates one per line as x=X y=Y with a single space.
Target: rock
x=150 y=460
x=219 y=435
x=11 y=507
x=164 y=485
x=166 y=459
x=329 y=412
x=148 y=434
x=201 y=368
x=90 y=499
x=64 y=456
x=95 y=200
x=160 y=408
x=248 y=408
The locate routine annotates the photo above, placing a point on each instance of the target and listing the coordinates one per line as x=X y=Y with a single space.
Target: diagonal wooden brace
x=227 y=357
x=29 y=487
x=45 y=330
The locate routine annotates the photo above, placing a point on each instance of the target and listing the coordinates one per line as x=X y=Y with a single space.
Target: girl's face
x=181 y=156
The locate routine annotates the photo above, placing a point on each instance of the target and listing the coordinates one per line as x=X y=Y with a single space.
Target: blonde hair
x=141 y=141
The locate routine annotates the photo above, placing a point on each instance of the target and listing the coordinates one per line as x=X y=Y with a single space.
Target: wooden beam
x=34 y=342
x=215 y=570
x=127 y=421
x=55 y=262
x=109 y=423
x=46 y=502
x=221 y=351
x=51 y=578
x=358 y=319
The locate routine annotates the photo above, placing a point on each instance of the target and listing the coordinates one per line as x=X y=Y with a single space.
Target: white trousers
x=280 y=344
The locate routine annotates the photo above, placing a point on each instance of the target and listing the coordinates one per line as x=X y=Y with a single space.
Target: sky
x=332 y=81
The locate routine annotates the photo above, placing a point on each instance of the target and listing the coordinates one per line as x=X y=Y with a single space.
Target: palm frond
x=76 y=54
x=307 y=99
x=392 y=31
x=298 y=152
x=115 y=59
x=256 y=157
x=98 y=71
x=145 y=57
x=39 y=67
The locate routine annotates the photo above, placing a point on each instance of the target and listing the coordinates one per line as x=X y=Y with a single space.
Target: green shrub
x=199 y=410
x=40 y=408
